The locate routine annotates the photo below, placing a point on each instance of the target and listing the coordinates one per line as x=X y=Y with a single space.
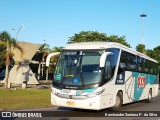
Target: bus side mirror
x=49 y=57
x=103 y=58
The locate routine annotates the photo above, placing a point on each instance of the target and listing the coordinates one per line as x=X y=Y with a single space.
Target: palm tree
x=42 y=53
x=10 y=44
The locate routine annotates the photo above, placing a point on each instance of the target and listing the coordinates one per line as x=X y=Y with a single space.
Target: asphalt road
x=63 y=113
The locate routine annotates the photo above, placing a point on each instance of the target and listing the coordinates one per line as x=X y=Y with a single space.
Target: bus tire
x=118 y=102
x=148 y=100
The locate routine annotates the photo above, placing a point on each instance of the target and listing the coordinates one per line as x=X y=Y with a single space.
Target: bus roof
x=102 y=46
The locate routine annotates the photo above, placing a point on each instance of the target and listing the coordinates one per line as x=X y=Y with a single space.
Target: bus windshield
x=78 y=68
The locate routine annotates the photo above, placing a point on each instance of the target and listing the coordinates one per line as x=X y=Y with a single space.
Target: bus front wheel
x=118 y=102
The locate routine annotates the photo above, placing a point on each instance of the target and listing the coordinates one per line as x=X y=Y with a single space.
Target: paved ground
x=78 y=114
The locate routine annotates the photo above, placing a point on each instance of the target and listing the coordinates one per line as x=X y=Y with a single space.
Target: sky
x=54 y=21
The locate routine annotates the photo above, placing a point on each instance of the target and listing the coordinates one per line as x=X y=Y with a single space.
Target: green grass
x=24 y=99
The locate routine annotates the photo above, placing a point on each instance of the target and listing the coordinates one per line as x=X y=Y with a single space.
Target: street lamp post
x=43 y=61
x=19 y=30
x=143 y=16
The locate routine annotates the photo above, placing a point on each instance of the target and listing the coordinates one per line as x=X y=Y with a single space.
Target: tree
x=2 y=57
x=150 y=53
x=141 y=48
x=10 y=44
x=155 y=54
x=87 y=36
x=157 y=48
x=121 y=40
x=42 y=53
x=92 y=36
x=56 y=49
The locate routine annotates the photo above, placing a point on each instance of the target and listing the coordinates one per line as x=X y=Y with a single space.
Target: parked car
x=2 y=74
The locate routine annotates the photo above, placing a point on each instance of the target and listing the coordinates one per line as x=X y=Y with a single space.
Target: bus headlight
x=95 y=94
x=54 y=92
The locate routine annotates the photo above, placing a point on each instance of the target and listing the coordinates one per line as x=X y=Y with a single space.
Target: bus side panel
x=155 y=87
x=109 y=95
x=137 y=86
x=128 y=87
x=143 y=83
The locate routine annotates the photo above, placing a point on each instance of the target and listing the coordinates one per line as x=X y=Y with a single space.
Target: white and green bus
x=99 y=75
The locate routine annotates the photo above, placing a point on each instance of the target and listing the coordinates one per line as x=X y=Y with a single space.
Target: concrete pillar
x=9 y=85
x=24 y=85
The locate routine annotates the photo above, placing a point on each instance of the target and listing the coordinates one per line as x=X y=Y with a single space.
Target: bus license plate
x=70 y=103
x=66 y=91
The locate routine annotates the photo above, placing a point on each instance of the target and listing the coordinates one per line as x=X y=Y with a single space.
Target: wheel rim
x=118 y=101
x=149 y=96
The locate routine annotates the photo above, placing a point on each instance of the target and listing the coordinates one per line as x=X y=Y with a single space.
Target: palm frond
x=2 y=43
x=44 y=47
x=4 y=36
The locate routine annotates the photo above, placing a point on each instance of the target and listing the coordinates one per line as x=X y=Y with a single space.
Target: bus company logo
x=6 y=114
x=141 y=81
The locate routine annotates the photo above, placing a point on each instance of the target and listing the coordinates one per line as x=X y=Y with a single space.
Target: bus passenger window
x=155 y=71
x=146 y=65
x=151 y=68
x=139 y=64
